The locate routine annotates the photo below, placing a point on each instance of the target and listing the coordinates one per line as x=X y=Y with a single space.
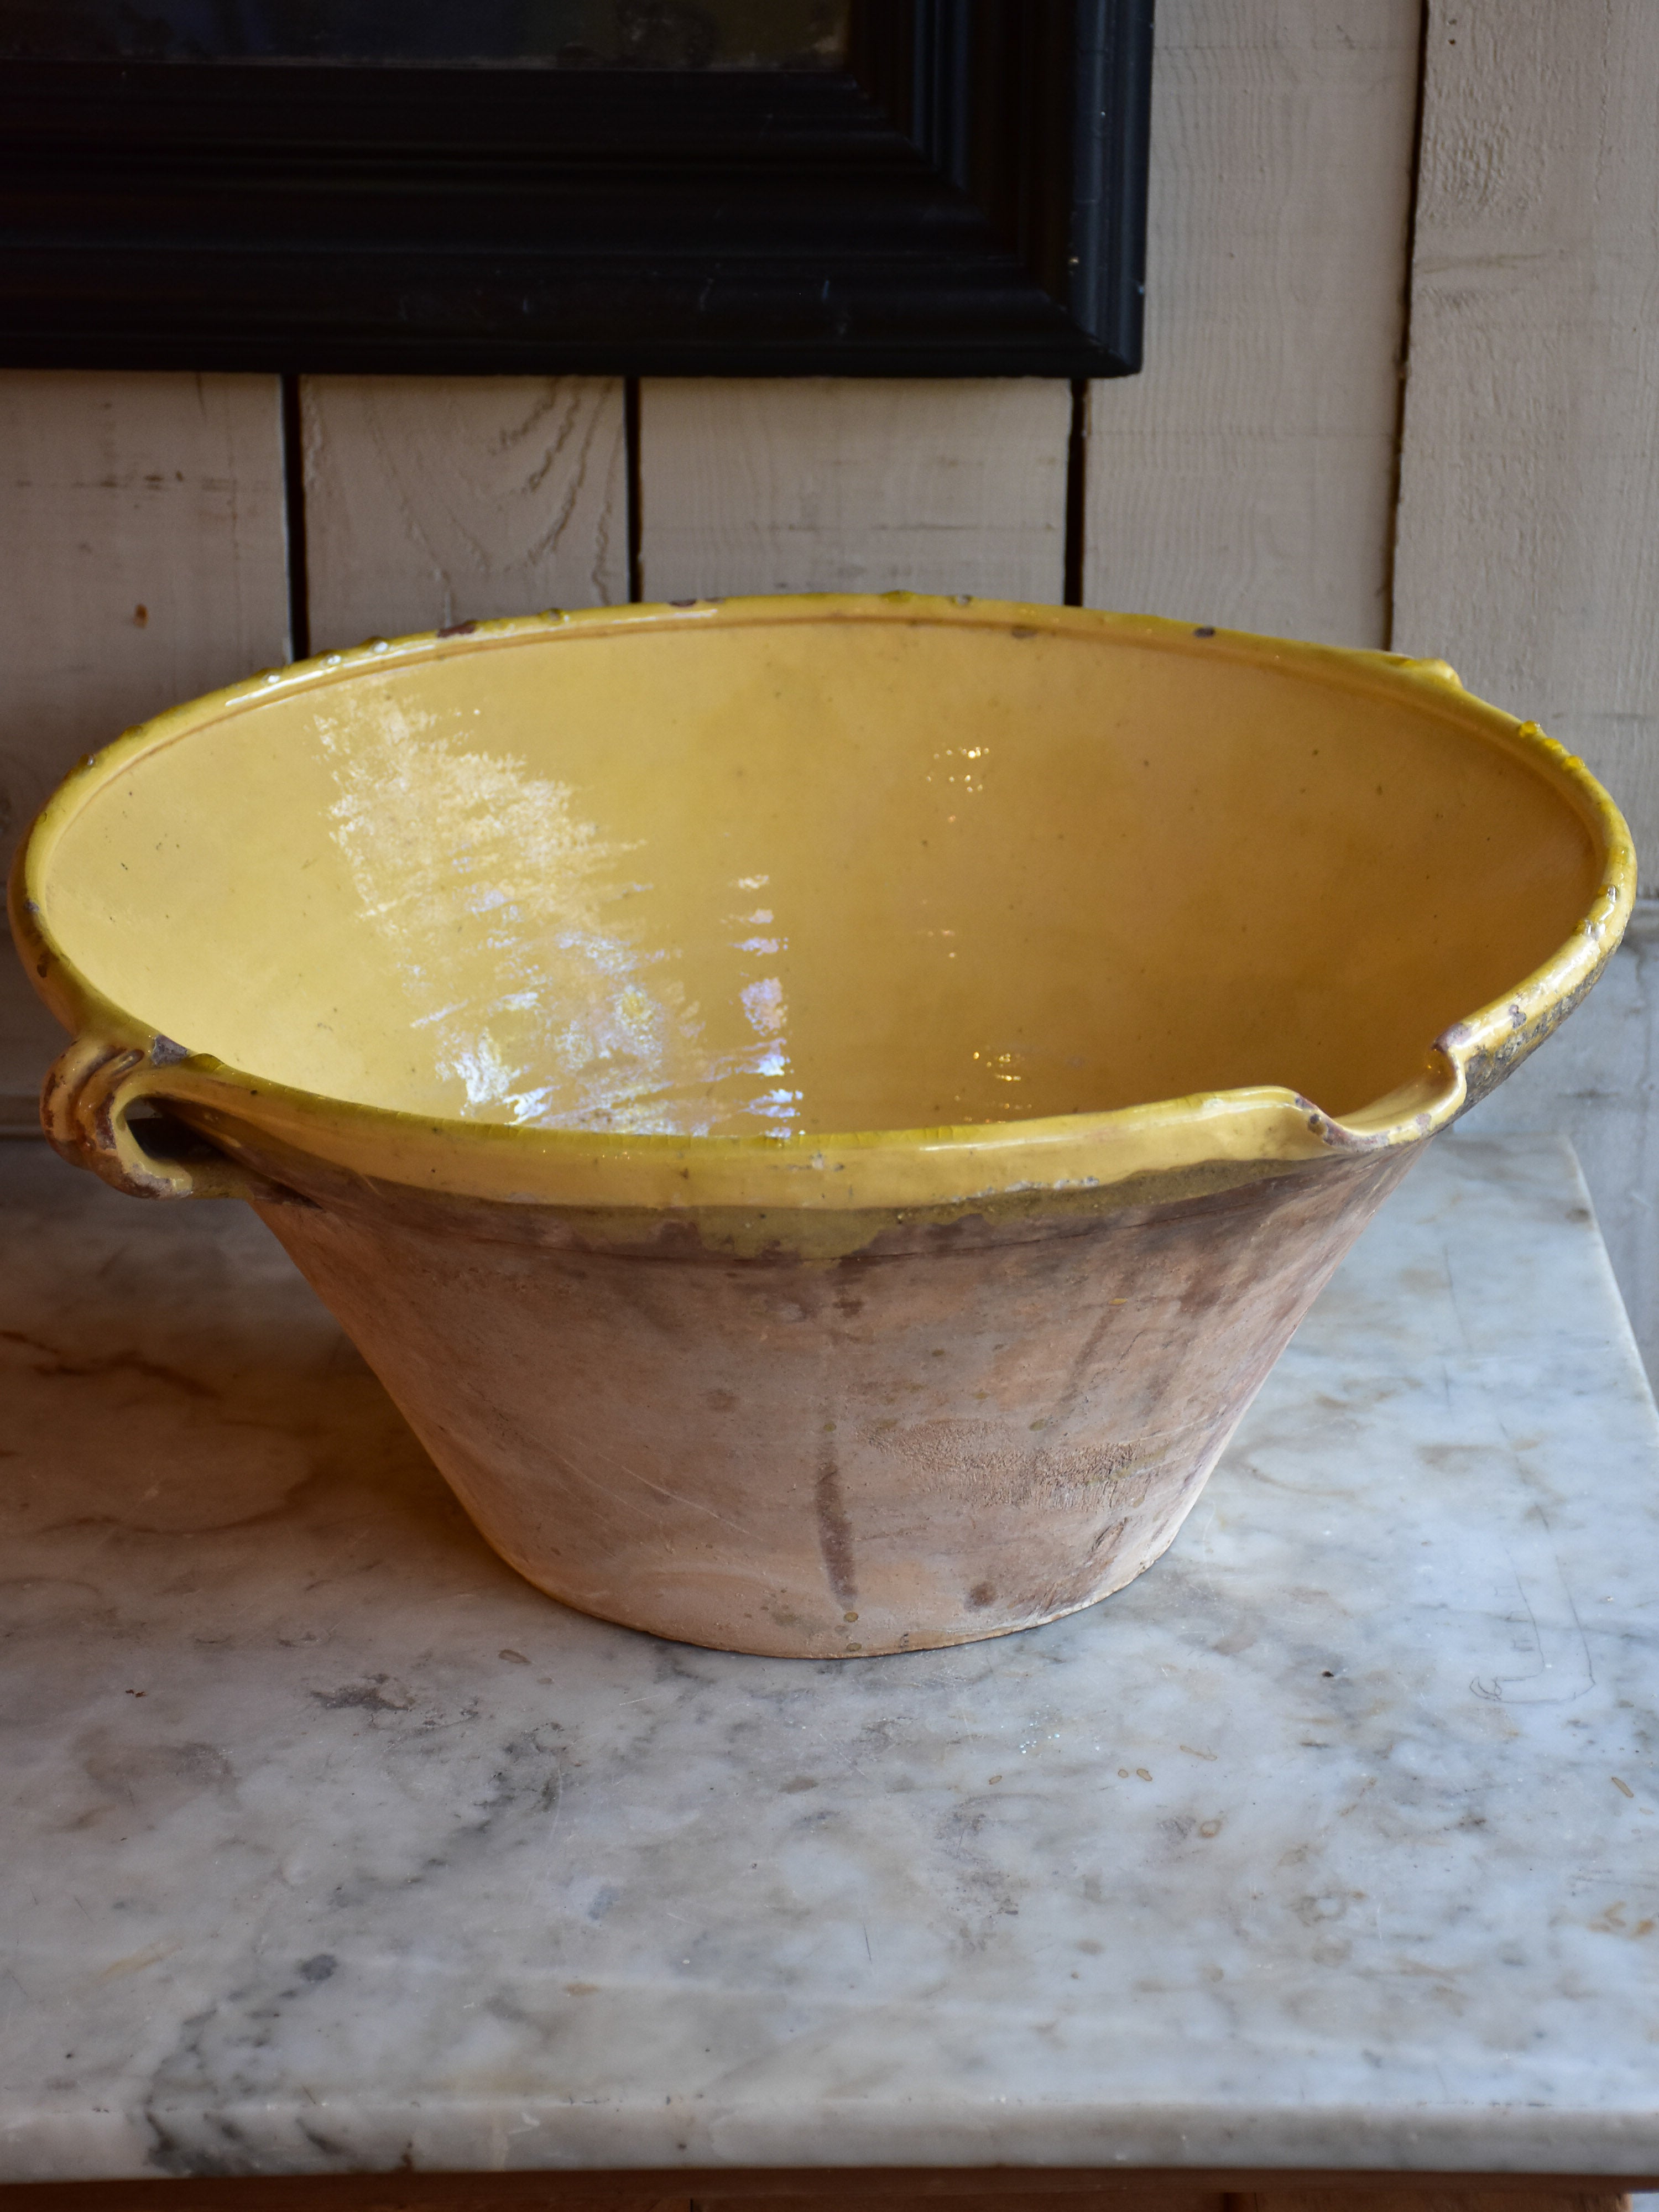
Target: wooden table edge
x=635 y=2190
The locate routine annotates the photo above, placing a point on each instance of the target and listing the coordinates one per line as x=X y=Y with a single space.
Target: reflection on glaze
x=505 y=914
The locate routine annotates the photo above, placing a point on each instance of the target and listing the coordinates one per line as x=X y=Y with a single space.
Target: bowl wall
x=960 y=1429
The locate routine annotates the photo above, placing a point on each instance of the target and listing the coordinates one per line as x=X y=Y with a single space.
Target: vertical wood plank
x=432 y=499
x=1529 y=545
x=1246 y=475
x=141 y=561
x=855 y=484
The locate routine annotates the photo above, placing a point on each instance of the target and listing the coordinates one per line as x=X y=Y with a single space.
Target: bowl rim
x=893 y=1170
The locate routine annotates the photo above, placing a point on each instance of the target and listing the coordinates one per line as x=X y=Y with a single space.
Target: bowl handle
x=86 y=1110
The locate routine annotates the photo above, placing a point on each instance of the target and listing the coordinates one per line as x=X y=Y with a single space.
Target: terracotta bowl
x=822 y=1112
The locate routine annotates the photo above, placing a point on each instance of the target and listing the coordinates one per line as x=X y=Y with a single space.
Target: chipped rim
x=116 y=1060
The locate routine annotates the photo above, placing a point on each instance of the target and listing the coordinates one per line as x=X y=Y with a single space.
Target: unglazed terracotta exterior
x=961 y=1428
x=822 y=1112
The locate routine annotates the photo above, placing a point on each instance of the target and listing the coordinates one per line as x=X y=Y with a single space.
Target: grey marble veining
x=328 y=1843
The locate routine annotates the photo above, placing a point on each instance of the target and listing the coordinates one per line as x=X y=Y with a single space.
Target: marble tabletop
x=329 y=1844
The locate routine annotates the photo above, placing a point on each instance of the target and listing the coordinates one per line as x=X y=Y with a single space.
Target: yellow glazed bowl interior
x=911 y=885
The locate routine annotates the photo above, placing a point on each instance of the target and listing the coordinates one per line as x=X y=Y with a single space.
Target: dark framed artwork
x=635 y=187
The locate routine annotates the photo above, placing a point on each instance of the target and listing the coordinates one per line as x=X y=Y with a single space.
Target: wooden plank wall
x=1245 y=476
x=431 y=499
x=1529 y=495
x=853 y=485
x=143 y=559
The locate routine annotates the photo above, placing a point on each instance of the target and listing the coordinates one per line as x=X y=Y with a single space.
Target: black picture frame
x=967 y=197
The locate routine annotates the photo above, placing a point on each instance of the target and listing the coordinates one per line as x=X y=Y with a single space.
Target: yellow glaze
x=805 y=903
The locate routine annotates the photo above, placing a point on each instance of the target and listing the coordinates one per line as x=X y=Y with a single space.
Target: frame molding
x=968 y=198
